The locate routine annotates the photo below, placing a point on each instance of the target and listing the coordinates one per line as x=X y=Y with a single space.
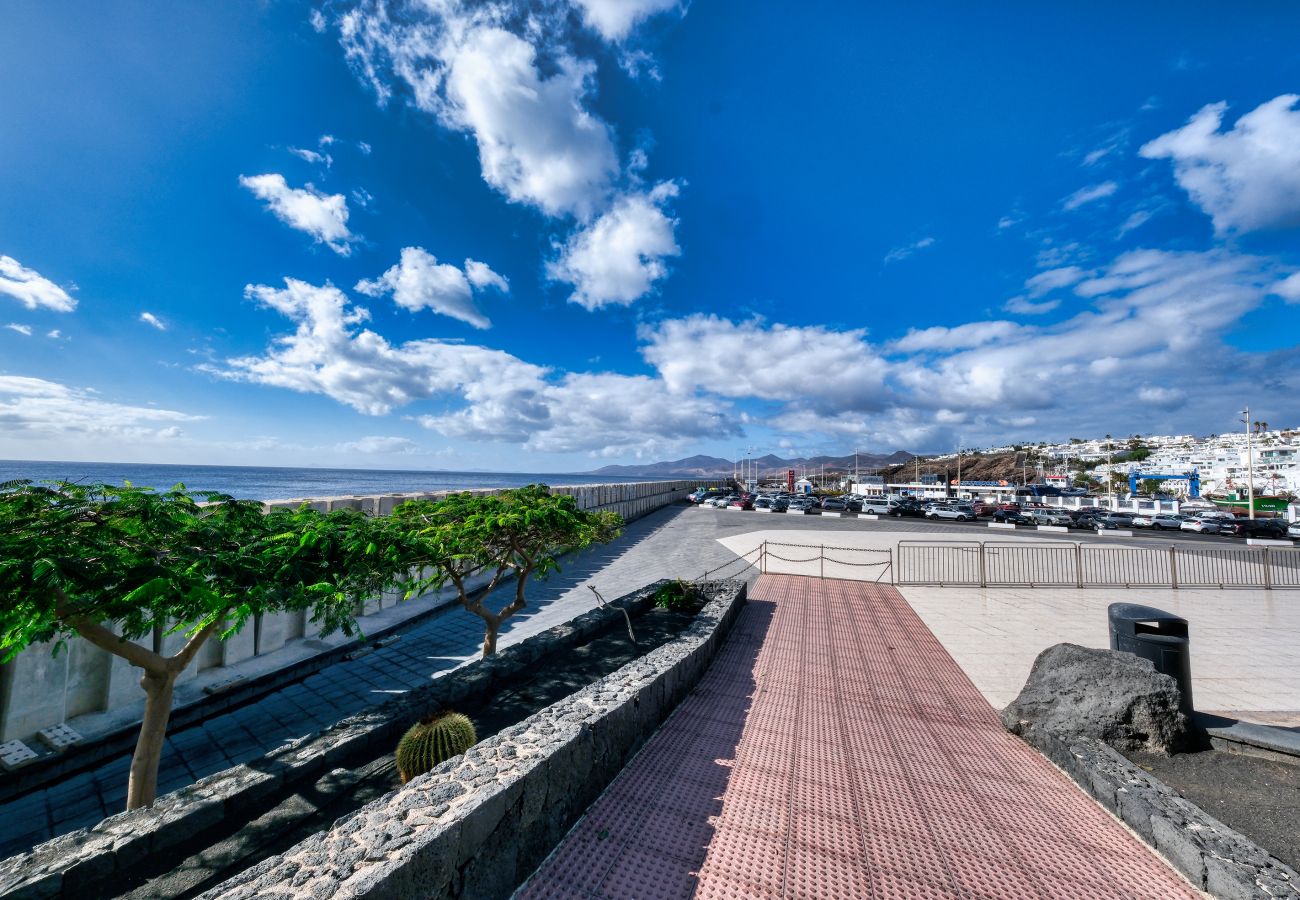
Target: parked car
x=724 y=500
x=854 y=503
x=802 y=505
x=1161 y=521
x=835 y=504
x=902 y=508
x=744 y=501
x=1049 y=516
x=960 y=512
x=1258 y=528
x=780 y=504
x=763 y=503
x=984 y=507
x=1293 y=530
x=1012 y=516
x=1201 y=524
x=1104 y=520
x=878 y=506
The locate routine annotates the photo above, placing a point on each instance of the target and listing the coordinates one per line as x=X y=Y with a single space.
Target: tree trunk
x=490 y=636
x=143 y=786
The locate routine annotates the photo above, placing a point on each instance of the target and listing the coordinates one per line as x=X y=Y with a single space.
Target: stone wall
x=38 y=690
x=479 y=824
x=87 y=862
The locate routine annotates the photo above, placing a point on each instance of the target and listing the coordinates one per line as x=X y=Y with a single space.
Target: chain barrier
x=886 y=564
x=742 y=558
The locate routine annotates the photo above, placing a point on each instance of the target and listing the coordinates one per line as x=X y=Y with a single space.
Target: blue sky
x=549 y=236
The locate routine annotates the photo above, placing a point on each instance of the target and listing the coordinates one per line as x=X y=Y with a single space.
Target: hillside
x=716 y=467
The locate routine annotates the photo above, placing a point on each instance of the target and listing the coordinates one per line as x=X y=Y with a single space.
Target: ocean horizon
x=288 y=482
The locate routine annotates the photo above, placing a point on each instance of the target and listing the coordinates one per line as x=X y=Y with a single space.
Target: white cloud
x=1053 y=279
x=1162 y=395
x=54 y=334
x=419 y=282
x=1023 y=306
x=323 y=216
x=481 y=276
x=960 y=337
x=379 y=444
x=1135 y=220
x=21 y=329
x=512 y=78
x=31 y=289
x=311 y=156
x=816 y=366
x=150 y=319
x=1089 y=194
x=500 y=397
x=901 y=253
x=317 y=20
x=619 y=256
x=537 y=142
x=1245 y=179
x=1288 y=288
x=614 y=19
x=1009 y=221
x=34 y=408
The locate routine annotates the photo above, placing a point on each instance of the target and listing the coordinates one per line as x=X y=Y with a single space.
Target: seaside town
x=649 y=450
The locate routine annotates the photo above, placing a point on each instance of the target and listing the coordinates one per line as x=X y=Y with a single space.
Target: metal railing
x=825 y=561
x=1074 y=564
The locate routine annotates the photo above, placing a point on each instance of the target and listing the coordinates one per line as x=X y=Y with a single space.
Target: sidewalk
x=834 y=749
x=660 y=545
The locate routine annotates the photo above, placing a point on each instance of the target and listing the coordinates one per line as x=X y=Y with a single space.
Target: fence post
x=983 y=574
x=821 y=559
x=1268 y=572
x=1078 y=564
x=1173 y=566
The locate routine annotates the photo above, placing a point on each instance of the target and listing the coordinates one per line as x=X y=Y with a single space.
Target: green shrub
x=679 y=596
x=434 y=739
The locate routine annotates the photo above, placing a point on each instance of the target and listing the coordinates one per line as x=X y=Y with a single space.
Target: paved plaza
x=1245 y=658
x=834 y=749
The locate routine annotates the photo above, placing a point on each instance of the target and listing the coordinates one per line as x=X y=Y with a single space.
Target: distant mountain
x=716 y=467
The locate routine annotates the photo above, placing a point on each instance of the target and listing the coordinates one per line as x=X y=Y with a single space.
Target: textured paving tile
x=835 y=749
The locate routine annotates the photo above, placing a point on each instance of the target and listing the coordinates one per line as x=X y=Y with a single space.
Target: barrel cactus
x=433 y=739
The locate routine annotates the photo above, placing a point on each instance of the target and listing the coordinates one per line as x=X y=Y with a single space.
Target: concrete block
x=272 y=632
x=88 y=668
x=1010 y=526
x=1267 y=542
x=1060 y=528
x=34 y=686
x=239 y=646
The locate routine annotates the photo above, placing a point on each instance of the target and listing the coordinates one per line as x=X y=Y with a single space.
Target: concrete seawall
x=38 y=690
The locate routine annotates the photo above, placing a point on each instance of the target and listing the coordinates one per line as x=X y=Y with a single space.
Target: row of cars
x=1088 y=517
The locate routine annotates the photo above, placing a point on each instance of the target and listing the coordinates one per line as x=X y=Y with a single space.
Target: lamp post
x=1250 y=465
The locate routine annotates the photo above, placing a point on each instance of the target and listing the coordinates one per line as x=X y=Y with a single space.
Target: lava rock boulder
x=1112 y=696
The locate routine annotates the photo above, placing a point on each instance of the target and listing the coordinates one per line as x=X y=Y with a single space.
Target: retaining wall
x=479 y=824
x=92 y=861
x=38 y=690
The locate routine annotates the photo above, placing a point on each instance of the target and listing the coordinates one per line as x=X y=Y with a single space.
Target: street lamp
x=1250 y=464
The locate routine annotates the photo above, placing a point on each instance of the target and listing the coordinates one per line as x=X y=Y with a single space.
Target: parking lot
x=735 y=520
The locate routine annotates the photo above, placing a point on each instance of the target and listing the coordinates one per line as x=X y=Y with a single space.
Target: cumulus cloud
x=618 y=257
x=1136 y=219
x=32 y=289
x=614 y=19
x=511 y=77
x=1089 y=194
x=1245 y=179
x=901 y=253
x=323 y=216
x=419 y=282
x=312 y=156
x=1024 y=306
x=817 y=366
x=25 y=330
x=35 y=407
x=492 y=395
x=150 y=319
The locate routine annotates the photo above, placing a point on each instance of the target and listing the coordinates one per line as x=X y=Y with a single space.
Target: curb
x=1212 y=856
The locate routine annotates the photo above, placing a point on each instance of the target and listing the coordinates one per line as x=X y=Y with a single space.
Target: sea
x=281 y=483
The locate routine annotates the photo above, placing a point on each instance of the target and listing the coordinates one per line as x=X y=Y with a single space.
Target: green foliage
x=1137 y=454
x=72 y=554
x=1148 y=486
x=433 y=740
x=678 y=596
x=521 y=532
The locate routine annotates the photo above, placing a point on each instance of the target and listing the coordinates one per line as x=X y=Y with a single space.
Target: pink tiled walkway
x=834 y=749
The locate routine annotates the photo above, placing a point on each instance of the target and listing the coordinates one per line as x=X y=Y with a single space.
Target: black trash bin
x=1155 y=635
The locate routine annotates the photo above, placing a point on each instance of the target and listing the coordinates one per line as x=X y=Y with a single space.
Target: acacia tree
x=115 y=565
x=520 y=532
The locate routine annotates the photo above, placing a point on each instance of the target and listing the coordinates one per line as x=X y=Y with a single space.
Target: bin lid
x=1134 y=612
